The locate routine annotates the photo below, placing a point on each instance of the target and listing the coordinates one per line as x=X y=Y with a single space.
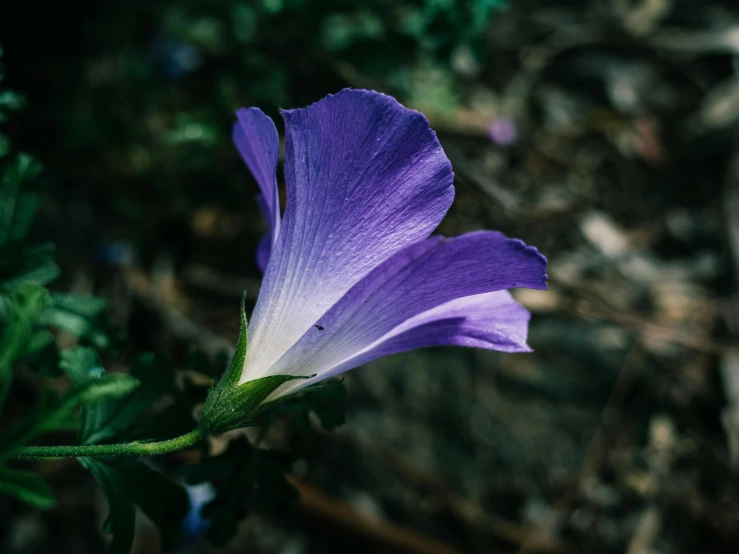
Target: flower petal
x=493 y=321
x=264 y=249
x=256 y=139
x=365 y=178
x=419 y=294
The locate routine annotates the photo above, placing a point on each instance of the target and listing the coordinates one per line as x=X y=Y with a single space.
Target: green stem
x=136 y=448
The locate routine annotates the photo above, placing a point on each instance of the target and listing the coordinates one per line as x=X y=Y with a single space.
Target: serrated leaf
x=81 y=364
x=104 y=388
x=84 y=305
x=121 y=521
x=27 y=487
x=114 y=418
x=28 y=304
x=130 y=482
x=163 y=501
x=78 y=315
x=105 y=419
x=53 y=412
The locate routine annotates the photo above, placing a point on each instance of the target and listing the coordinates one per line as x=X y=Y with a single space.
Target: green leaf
x=107 y=419
x=103 y=388
x=129 y=482
x=79 y=315
x=41 y=354
x=28 y=304
x=11 y=100
x=20 y=265
x=80 y=364
x=39 y=339
x=42 y=417
x=121 y=521
x=163 y=501
x=18 y=204
x=54 y=412
x=27 y=487
x=84 y=305
x=112 y=418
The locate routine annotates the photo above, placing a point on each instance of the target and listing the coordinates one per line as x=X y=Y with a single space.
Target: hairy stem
x=136 y=448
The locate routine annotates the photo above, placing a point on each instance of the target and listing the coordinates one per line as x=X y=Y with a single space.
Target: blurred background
x=602 y=131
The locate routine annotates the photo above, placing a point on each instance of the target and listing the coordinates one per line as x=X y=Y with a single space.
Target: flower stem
x=136 y=448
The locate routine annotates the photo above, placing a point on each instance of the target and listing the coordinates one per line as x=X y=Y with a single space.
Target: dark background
x=616 y=435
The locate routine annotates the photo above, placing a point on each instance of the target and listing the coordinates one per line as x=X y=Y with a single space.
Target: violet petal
x=365 y=178
x=422 y=281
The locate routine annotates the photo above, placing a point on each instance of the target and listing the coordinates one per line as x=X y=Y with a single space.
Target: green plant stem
x=136 y=448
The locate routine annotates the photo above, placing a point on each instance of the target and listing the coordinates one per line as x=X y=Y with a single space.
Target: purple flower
x=350 y=273
x=502 y=131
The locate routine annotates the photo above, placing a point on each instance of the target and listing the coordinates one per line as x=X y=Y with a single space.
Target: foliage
x=142 y=404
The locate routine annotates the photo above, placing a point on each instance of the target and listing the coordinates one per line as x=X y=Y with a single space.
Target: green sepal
x=231 y=405
x=240 y=405
x=231 y=376
x=229 y=379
